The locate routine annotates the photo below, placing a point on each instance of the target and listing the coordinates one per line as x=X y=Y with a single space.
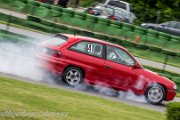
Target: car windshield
x=119 y=13
x=57 y=40
x=117 y=4
x=116 y=12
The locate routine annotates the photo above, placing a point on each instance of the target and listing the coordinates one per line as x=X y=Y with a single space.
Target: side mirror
x=163 y=25
x=136 y=66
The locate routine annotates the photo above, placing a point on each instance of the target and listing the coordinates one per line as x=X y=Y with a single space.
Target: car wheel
x=155 y=94
x=152 y=28
x=73 y=76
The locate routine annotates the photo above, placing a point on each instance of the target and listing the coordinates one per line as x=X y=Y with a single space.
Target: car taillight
x=113 y=17
x=57 y=54
x=92 y=12
x=51 y=52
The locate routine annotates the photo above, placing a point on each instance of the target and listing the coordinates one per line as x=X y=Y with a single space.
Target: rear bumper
x=50 y=64
x=170 y=94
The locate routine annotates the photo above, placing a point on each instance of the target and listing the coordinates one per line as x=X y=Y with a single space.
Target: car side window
x=118 y=55
x=165 y=24
x=178 y=26
x=90 y=48
x=94 y=49
x=80 y=47
x=172 y=24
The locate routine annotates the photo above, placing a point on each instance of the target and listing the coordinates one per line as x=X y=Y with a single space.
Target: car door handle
x=107 y=67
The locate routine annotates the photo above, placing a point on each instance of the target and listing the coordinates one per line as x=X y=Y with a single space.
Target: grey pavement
x=158 y=65
x=12 y=13
x=28 y=33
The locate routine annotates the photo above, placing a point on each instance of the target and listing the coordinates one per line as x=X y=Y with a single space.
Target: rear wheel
x=155 y=94
x=73 y=76
x=152 y=28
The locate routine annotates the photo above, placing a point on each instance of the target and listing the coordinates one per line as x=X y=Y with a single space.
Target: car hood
x=148 y=24
x=156 y=78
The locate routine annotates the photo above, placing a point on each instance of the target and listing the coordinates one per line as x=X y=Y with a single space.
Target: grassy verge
x=22 y=96
x=178 y=95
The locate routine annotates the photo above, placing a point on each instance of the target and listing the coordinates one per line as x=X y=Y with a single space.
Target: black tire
x=73 y=76
x=155 y=94
x=152 y=28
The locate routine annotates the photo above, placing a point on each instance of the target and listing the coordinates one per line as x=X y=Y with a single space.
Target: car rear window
x=57 y=40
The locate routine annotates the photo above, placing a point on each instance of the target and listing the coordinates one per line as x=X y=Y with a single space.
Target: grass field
x=22 y=96
x=178 y=95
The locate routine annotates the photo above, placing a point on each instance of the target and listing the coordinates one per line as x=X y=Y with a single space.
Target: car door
x=118 y=69
x=163 y=27
x=177 y=29
x=88 y=56
x=171 y=26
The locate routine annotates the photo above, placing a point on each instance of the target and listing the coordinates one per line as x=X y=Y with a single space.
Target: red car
x=81 y=59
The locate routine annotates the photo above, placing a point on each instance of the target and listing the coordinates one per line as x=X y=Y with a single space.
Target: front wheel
x=155 y=94
x=73 y=76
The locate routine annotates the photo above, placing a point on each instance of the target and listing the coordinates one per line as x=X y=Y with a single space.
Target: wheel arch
x=151 y=27
x=158 y=84
x=76 y=67
x=164 y=89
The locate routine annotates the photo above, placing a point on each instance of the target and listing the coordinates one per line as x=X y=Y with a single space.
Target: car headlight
x=143 y=24
x=175 y=87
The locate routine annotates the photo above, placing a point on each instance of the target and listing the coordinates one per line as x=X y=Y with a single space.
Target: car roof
x=93 y=40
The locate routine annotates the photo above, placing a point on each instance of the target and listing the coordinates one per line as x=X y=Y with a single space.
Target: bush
x=142 y=46
x=173 y=111
x=153 y=48
x=167 y=52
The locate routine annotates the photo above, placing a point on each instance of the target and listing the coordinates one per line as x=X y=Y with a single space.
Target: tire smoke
x=18 y=58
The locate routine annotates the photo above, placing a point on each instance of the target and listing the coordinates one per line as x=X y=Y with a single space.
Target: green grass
x=22 y=96
x=178 y=95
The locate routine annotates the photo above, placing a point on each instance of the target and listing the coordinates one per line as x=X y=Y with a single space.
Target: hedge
x=173 y=111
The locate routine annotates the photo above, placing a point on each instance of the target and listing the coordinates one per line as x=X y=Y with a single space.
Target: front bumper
x=170 y=94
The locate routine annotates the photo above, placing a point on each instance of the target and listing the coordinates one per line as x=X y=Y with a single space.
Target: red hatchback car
x=81 y=59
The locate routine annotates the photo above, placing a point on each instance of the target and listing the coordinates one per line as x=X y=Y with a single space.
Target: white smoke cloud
x=18 y=59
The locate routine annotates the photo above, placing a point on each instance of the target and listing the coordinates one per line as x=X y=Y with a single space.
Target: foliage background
x=147 y=10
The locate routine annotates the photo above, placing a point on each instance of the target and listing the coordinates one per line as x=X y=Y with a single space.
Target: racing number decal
x=90 y=48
